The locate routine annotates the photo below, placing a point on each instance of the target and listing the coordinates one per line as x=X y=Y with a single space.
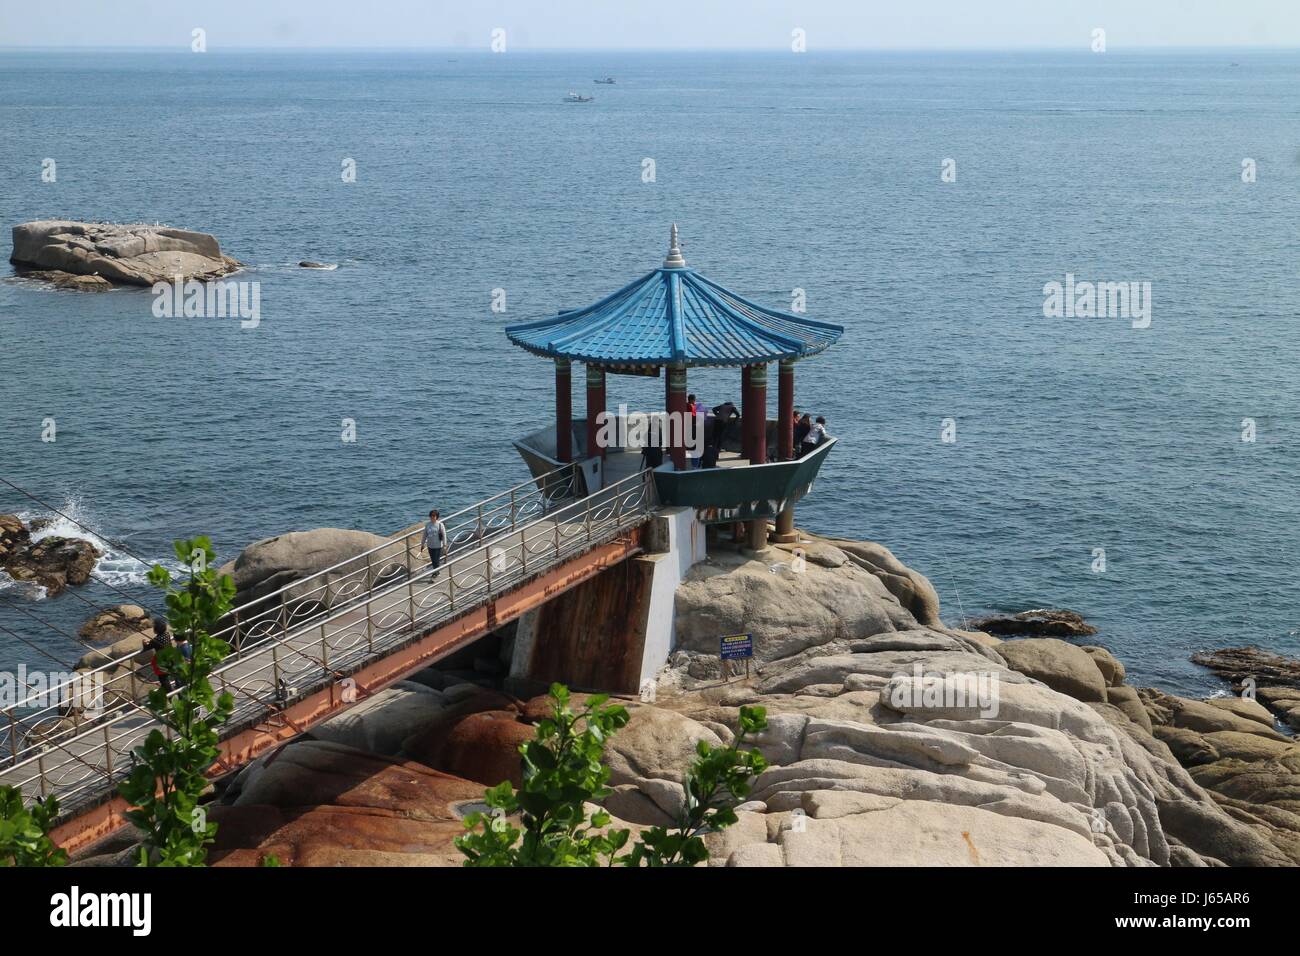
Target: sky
x=651 y=24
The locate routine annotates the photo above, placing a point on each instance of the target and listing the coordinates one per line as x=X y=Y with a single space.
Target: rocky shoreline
x=893 y=740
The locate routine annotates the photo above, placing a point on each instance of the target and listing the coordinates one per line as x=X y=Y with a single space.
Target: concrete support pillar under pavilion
x=595 y=407
x=785 y=442
x=563 y=410
x=677 y=415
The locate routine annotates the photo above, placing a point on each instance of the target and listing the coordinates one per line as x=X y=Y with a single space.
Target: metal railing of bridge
x=117 y=683
x=267 y=675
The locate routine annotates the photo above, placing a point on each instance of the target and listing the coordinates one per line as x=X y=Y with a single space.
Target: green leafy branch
x=169 y=776
x=563 y=773
x=24 y=832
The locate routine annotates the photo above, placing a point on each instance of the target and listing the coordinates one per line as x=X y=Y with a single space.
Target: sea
x=1141 y=470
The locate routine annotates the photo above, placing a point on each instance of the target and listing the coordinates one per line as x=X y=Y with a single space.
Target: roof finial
x=674 y=260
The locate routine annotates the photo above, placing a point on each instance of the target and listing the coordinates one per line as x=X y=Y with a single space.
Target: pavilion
x=674 y=319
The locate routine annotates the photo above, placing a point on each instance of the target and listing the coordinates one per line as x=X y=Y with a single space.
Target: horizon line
x=1081 y=49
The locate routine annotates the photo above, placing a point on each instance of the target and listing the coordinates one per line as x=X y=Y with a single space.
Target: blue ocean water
x=819 y=172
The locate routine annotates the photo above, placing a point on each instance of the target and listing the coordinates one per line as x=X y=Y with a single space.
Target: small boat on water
x=608 y=81
x=573 y=97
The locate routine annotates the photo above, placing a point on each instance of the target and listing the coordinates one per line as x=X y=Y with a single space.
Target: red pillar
x=595 y=406
x=785 y=410
x=677 y=416
x=746 y=412
x=785 y=442
x=758 y=395
x=563 y=410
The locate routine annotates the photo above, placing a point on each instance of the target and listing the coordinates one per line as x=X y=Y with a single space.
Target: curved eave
x=677 y=310
x=576 y=356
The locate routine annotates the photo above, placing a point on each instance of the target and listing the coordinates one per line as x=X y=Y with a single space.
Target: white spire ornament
x=674 y=259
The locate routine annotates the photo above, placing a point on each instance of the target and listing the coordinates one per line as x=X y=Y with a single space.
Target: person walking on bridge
x=434 y=541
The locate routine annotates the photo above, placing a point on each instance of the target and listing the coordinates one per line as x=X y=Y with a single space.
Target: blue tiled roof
x=674 y=315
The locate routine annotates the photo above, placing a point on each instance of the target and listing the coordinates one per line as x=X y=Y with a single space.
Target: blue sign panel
x=737 y=647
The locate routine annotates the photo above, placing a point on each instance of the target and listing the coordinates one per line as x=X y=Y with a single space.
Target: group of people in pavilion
x=807 y=433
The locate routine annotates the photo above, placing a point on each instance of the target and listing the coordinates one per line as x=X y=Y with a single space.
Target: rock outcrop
x=115 y=623
x=788 y=605
x=1039 y=622
x=1273 y=679
x=52 y=562
x=69 y=280
x=266 y=566
x=61 y=249
x=879 y=727
x=1061 y=666
x=14 y=536
x=891 y=742
x=317 y=803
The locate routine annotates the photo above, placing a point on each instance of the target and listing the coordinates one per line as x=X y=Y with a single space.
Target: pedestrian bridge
x=305 y=652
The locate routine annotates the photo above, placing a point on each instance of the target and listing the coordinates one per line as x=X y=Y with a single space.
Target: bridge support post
x=563 y=410
x=595 y=407
x=677 y=415
x=785 y=441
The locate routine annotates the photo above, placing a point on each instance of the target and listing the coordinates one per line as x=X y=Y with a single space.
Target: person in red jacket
x=160 y=641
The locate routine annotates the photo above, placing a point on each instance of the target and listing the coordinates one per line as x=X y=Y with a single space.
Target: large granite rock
x=1061 y=666
x=885 y=750
x=787 y=606
x=317 y=803
x=121 y=254
x=266 y=566
x=913 y=589
x=483 y=747
x=1067 y=782
x=380 y=723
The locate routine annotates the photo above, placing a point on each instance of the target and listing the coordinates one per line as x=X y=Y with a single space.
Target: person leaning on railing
x=160 y=640
x=803 y=425
x=815 y=436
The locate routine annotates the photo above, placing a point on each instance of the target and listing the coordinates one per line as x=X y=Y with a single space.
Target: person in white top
x=816 y=435
x=434 y=541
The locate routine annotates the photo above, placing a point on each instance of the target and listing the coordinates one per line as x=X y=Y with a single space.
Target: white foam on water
x=27 y=589
x=114 y=566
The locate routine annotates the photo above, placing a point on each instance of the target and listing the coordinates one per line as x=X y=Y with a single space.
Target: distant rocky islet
x=98 y=256
x=94 y=256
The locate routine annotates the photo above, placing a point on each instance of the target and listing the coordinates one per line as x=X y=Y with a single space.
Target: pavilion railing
x=120 y=683
x=268 y=674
